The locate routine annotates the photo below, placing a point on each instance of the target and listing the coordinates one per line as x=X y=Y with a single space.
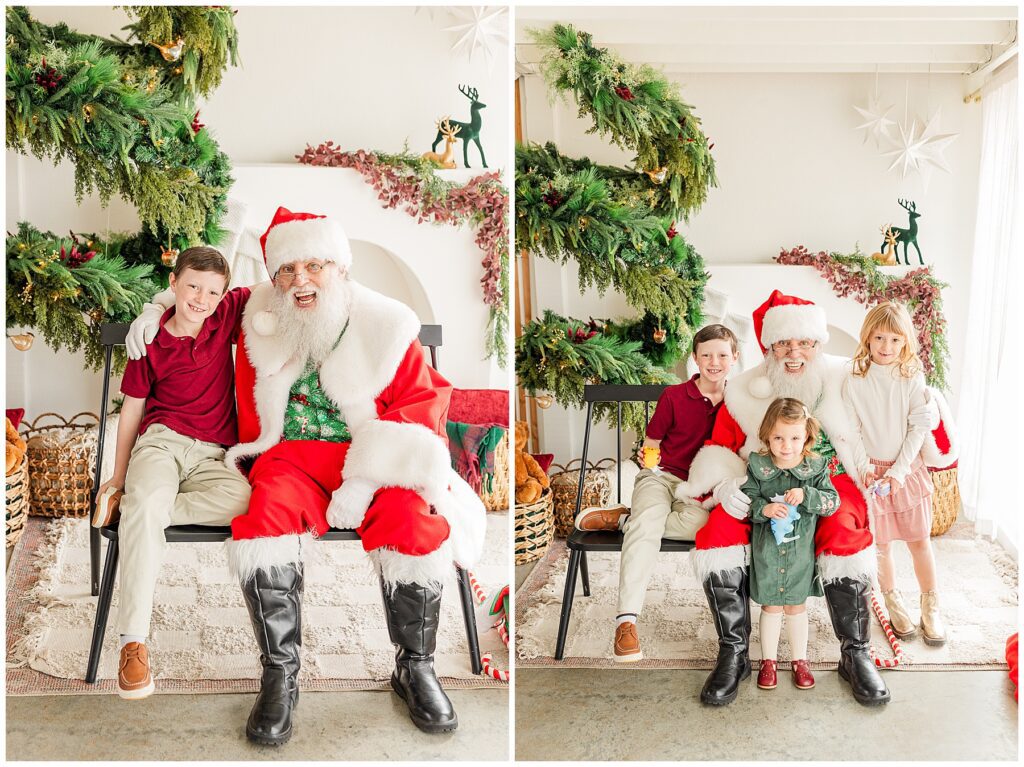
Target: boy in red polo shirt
x=681 y=423
x=177 y=419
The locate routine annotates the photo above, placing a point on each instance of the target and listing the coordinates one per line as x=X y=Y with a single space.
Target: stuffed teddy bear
x=15 y=447
x=530 y=480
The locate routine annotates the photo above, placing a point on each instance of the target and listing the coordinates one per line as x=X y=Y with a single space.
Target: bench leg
x=102 y=611
x=585 y=573
x=94 y=559
x=469 y=616
x=570 y=591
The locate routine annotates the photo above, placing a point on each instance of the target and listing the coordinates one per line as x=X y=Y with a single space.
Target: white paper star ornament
x=909 y=148
x=480 y=29
x=877 y=123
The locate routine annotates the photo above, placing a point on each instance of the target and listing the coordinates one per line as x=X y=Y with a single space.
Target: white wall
x=792 y=170
x=370 y=78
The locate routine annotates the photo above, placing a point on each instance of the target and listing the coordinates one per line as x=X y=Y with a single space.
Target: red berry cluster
x=48 y=78
x=552 y=198
x=579 y=335
x=671 y=232
x=76 y=257
x=623 y=92
x=196 y=125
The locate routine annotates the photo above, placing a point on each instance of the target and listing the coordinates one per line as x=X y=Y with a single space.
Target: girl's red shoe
x=802 y=676
x=767 y=679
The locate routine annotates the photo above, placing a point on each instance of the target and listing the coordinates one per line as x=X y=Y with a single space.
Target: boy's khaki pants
x=172 y=480
x=655 y=514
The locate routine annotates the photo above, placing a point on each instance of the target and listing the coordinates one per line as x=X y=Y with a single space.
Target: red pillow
x=544 y=460
x=15 y=414
x=479 y=406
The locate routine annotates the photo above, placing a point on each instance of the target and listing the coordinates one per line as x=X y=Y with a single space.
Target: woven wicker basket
x=945 y=500
x=534 y=528
x=565 y=482
x=61 y=458
x=17 y=501
x=497 y=498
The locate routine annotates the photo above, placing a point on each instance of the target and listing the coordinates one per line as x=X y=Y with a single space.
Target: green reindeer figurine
x=467 y=131
x=906 y=236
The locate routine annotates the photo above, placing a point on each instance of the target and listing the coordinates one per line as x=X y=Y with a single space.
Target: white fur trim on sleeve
x=711 y=465
x=467 y=519
x=392 y=454
x=930 y=452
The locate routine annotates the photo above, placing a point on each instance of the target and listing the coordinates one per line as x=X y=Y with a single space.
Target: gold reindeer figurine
x=446 y=160
x=888 y=258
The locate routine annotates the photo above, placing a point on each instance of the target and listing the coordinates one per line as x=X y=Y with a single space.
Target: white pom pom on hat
x=264 y=323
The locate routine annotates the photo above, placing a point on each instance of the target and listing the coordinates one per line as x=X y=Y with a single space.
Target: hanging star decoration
x=909 y=150
x=877 y=122
x=479 y=29
x=936 y=142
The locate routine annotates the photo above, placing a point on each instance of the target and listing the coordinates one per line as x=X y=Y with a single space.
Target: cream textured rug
x=979 y=601
x=201 y=639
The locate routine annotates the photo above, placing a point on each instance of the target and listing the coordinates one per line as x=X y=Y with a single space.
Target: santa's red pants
x=843 y=533
x=292 y=485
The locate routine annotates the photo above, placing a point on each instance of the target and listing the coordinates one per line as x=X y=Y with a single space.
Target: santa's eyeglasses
x=288 y=272
x=803 y=345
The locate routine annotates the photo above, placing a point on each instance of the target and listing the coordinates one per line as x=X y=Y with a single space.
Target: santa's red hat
x=301 y=237
x=783 y=318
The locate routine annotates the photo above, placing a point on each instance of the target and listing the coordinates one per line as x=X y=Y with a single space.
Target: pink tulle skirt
x=904 y=515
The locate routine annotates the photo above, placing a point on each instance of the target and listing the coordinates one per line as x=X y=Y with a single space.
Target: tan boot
x=931 y=622
x=899 y=618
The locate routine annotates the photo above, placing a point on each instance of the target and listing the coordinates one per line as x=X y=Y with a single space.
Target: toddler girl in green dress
x=784 y=475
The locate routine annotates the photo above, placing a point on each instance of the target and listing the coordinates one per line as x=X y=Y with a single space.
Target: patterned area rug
x=979 y=602
x=201 y=638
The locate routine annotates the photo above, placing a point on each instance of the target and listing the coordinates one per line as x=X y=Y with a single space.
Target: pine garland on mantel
x=854 y=275
x=412 y=183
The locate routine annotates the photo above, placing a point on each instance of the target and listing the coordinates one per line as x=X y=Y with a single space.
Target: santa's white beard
x=312 y=332
x=806 y=386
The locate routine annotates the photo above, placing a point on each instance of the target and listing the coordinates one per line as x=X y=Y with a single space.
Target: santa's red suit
x=423 y=516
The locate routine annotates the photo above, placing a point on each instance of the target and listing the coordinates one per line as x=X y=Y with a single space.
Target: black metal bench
x=112 y=335
x=580 y=542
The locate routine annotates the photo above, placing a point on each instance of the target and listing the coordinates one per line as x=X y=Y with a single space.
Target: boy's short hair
x=203 y=259
x=714 y=333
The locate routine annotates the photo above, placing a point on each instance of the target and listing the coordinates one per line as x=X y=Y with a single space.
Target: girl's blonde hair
x=888 y=317
x=789 y=410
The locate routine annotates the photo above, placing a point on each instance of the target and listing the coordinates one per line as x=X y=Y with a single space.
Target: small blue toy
x=880 y=489
x=783 y=527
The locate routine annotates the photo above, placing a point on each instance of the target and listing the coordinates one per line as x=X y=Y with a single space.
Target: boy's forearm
x=127 y=434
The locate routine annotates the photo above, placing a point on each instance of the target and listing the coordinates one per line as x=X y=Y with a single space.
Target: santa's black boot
x=847 y=602
x=274 y=600
x=412 y=613
x=728 y=596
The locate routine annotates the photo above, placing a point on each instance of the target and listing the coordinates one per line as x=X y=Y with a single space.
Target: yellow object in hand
x=652 y=457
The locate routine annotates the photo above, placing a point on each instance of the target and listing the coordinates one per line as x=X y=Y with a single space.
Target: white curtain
x=990 y=392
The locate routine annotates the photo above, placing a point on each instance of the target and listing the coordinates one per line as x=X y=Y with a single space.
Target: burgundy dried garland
x=851 y=277
x=482 y=199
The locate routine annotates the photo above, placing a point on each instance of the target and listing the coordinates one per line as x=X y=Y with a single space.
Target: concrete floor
x=606 y=714
x=328 y=726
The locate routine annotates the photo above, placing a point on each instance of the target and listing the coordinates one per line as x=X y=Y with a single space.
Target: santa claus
x=791 y=332
x=341 y=424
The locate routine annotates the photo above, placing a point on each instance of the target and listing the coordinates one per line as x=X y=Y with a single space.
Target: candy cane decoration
x=485 y=660
x=894 y=643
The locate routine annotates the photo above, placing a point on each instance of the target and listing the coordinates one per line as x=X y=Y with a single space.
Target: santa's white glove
x=925 y=416
x=144 y=328
x=735 y=502
x=349 y=503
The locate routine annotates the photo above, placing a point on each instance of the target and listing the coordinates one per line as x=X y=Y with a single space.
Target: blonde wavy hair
x=789 y=410
x=888 y=317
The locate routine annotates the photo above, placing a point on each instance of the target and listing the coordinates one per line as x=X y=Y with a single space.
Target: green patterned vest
x=311 y=414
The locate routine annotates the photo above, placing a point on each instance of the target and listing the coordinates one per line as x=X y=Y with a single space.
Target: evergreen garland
x=123 y=120
x=857 y=276
x=561 y=356
x=65 y=287
x=638 y=109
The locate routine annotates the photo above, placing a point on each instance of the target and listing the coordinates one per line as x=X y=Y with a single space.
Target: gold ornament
x=171 y=51
x=659 y=336
x=544 y=401
x=177 y=70
x=658 y=174
x=88 y=110
x=169 y=257
x=22 y=341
